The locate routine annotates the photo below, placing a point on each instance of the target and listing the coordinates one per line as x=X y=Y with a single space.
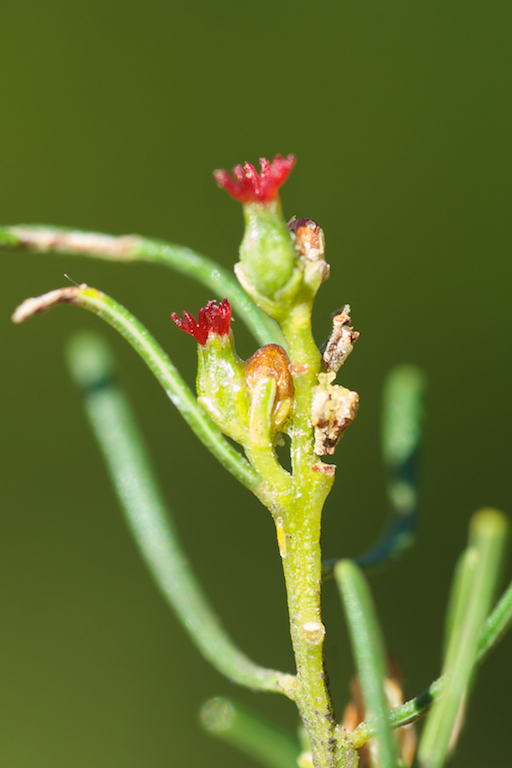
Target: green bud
x=221 y=386
x=267 y=254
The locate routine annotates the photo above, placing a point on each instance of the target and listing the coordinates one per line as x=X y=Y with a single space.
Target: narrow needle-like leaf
x=496 y=626
x=157 y=361
x=462 y=585
x=402 y=422
x=369 y=654
x=257 y=737
x=127 y=248
x=148 y=516
x=488 y=532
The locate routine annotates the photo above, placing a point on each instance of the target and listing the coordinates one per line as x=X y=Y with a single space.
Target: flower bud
x=267 y=254
x=220 y=383
x=272 y=361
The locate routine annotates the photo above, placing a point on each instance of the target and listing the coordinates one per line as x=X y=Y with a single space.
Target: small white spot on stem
x=314 y=632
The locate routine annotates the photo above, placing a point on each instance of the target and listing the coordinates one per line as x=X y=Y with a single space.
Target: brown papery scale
x=309 y=236
x=310 y=243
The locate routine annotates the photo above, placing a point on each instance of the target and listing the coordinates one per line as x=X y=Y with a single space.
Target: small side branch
x=129 y=248
x=157 y=361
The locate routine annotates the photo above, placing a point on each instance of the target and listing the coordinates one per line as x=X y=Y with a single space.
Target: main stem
x=299 y=526
x=302 y=571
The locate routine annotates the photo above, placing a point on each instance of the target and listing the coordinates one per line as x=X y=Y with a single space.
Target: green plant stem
x=249 y=732
x=148 y=517
x=370 y=656
x=296 y=508
x=129 y=248
x=302 y=570
x=157 y=361
x=298 y=520
x=303 y=350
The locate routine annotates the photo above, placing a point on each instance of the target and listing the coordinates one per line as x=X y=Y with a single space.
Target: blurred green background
x=113 y=117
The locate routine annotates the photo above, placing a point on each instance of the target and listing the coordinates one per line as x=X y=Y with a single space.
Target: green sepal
x=221 y=386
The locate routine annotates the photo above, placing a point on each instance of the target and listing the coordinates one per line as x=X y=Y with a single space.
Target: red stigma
x=211 y=319
x=249 y=187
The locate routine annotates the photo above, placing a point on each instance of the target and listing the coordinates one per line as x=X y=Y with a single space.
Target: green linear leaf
x=369 y=654
x=249 y=732
x=488 y=531
x=497 y=625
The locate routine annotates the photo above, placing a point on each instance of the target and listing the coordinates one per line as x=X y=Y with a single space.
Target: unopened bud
x=272 y=361
x=220 y=374
x=267 y=255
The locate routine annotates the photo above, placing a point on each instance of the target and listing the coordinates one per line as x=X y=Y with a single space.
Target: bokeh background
x=113 y=116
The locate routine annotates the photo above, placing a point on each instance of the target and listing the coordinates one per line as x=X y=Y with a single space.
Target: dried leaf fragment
x=333 y=408
x=354 y=714
x=340 y=343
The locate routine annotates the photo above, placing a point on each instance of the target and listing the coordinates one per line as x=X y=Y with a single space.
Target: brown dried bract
x=340 y=343
x=309 y=238
x=355 y=714
x=299 y=370
x=310 y=243
x=324 y=469
x=272 y=360
x=333 y=408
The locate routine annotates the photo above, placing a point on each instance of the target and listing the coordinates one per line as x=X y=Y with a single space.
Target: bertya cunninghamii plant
x=287 y=387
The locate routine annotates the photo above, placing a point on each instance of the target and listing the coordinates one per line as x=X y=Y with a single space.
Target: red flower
x=248 y=187
x=211 y=319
